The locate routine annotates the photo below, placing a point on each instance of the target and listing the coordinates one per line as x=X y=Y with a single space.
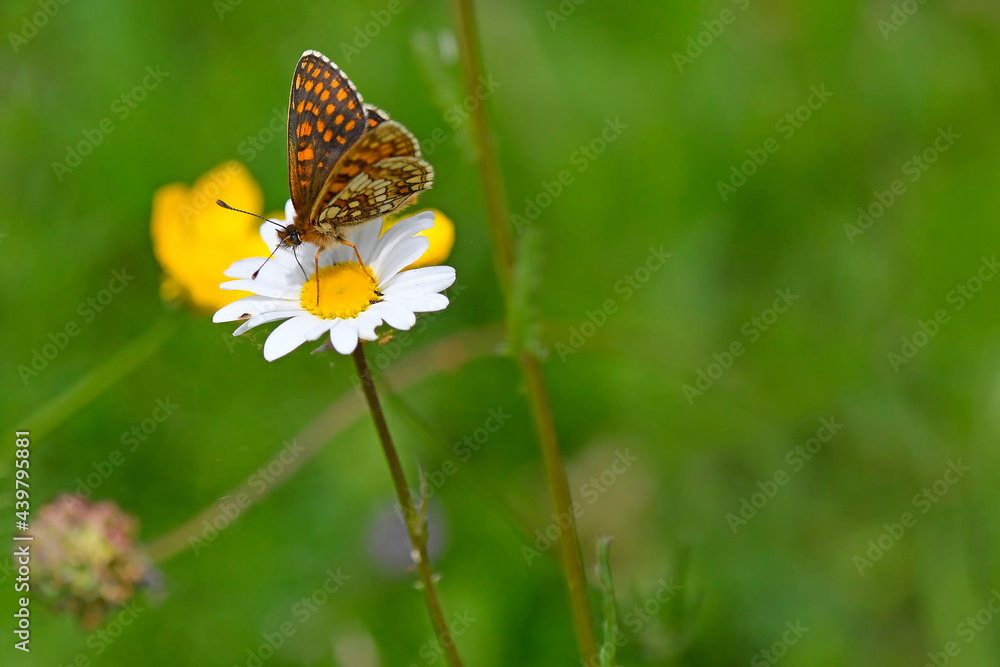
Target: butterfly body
x=348 y=163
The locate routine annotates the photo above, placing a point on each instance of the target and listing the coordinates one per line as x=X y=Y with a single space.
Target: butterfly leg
x=358 y=255
x=318 y=252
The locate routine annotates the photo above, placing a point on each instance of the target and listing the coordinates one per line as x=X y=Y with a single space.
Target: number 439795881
x=20 y=483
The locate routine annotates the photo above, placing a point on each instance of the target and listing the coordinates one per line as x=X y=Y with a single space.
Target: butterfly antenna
x=301 y=268
x=254 y=276
x=225 y=205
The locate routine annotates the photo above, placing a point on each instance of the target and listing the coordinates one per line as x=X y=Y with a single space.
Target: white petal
x=429 y=278
x=243 y=268
x=405 y=253
x=404 y=229
x=253 y=305
x=395 y=315
x=344 y=336
x=269 y=234
x=274 y=290
x=344 y=253
x=273 y=270
x=301 y=260
x=306 y=255
x=293 y=333
x=424 y=304
x=365 y=323
x=365 y=237
x=289 y=211
x=264 y=318
x=283 y=261
x=409 y=227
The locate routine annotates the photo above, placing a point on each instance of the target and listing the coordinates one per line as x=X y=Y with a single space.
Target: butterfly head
x=289 y=236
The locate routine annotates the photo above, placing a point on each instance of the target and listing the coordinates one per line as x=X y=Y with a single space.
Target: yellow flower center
x=345 y=290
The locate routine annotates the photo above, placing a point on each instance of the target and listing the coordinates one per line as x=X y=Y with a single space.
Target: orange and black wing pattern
x=377 y=176
x=383 y=188
x=386 y=139
x=375 y=115
x=326 y=116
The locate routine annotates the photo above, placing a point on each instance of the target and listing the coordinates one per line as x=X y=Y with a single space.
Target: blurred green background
x=685 y=123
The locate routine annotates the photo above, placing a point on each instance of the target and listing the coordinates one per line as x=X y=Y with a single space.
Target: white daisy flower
x=351 y=305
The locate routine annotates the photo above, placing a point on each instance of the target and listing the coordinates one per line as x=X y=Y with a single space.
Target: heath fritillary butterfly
x=348 y=163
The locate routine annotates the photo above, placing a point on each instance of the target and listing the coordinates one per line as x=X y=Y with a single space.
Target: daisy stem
x=446 y=354
x=415 y=524
x=503 y=253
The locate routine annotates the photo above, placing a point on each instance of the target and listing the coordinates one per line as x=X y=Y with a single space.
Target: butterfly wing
x=374 y=177
x=379 y=190
x=326 y=116
x=375 y=115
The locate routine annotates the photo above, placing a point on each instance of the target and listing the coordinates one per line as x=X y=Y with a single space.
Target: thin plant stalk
x=609 y=649
x=60 y=408
x=569 y=541
x=503 y=254
x=415 y=524
x=446 y=354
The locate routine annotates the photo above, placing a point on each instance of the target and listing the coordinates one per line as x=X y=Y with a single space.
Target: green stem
x=415 y=524
x=503 y=255
x=447 y=354
x=610 y=648
x=496 y=202
x=562 y=502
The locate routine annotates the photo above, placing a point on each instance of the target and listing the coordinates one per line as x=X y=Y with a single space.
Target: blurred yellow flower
x=441 y=235
x=195 y=240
